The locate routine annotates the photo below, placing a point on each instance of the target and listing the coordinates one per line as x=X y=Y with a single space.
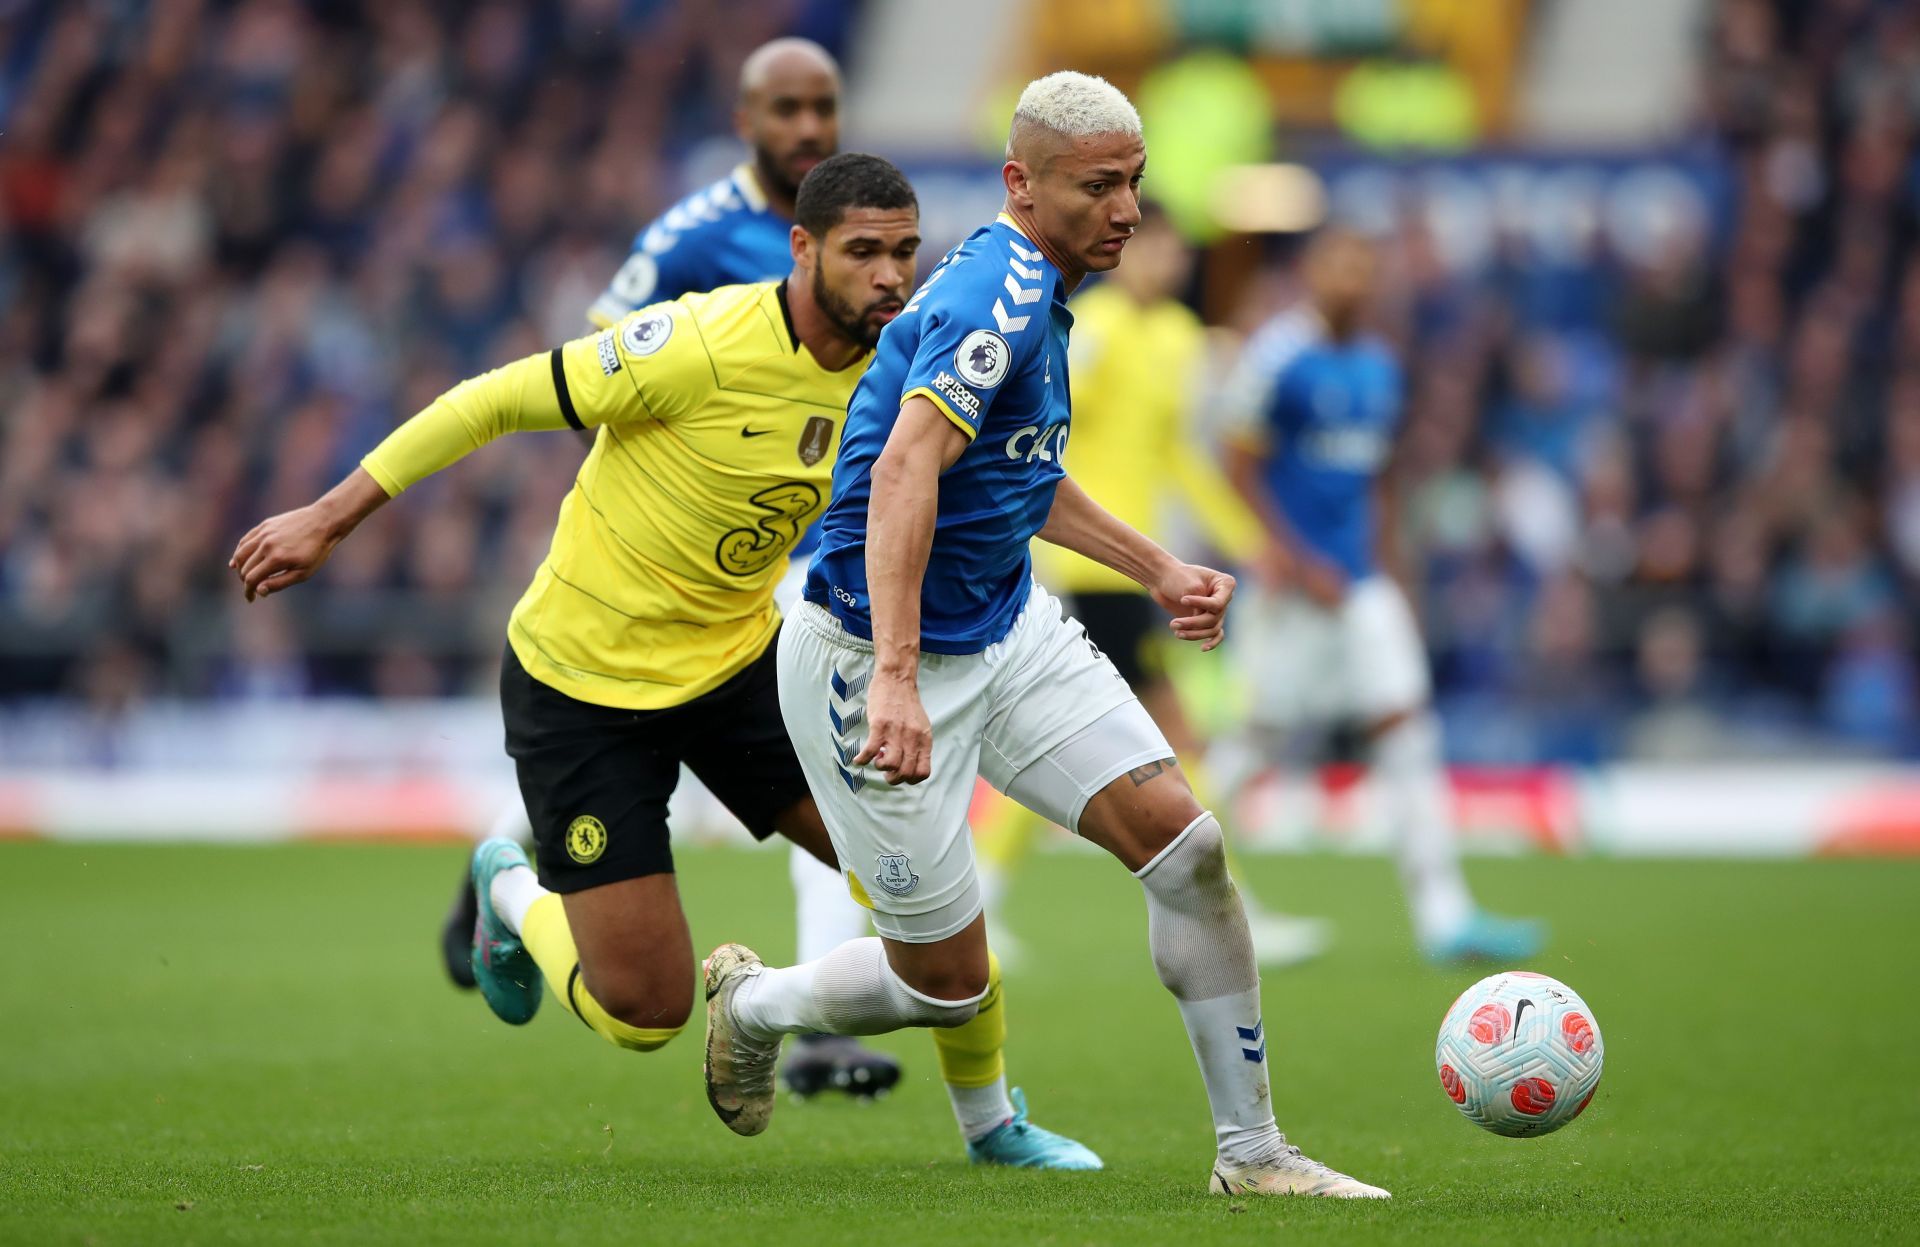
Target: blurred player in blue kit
x=926 y=655
x=737 y=231
x=1327 y=636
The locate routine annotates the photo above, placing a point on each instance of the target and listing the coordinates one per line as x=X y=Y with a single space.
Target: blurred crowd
x=241 y=241
x=1670 y=510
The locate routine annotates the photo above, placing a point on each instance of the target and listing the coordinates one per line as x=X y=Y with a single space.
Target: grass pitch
x=254 y=1045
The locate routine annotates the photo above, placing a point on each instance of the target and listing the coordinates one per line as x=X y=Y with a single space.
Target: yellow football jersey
x=717 y=436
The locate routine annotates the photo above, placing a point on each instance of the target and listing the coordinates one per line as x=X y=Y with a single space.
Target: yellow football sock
x=971 y=1055
x=548 y=937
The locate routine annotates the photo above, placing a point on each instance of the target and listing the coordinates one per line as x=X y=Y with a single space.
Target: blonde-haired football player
x=645 y=640
x=925 y=655
x=1140 y=363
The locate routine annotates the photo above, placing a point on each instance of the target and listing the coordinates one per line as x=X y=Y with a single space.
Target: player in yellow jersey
x=735 y=230
x=1138 y=365
x=644 y=641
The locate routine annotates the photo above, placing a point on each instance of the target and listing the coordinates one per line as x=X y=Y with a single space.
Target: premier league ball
x=1519 y=1054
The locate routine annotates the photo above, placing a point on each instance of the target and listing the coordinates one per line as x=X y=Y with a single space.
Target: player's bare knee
x=964 y=982
x=1160 y=827
x=645 y=1006
x=953 y=968
x=1139 y=826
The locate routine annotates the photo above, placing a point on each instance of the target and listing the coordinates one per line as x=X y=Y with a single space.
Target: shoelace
x=752 y=1067
x=1302 y=1161
x=1293 y=1158
x=1015 y=1125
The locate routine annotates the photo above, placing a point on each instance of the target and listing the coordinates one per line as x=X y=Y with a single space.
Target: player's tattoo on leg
x=1141 y=774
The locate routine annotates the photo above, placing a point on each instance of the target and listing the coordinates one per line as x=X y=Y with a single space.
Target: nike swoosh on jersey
x=757 y=432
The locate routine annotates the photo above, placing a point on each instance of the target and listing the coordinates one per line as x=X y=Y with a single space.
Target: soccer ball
x=1519 y=1054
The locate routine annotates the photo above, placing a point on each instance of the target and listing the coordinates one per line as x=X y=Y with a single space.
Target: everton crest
x=896 y=874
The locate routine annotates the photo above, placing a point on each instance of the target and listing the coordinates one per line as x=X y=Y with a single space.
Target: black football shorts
x=596 y=779
x=1122 y=626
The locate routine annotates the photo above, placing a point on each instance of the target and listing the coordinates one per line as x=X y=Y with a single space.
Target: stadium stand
x=1662 y=506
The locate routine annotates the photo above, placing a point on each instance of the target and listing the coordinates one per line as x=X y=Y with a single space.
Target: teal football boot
x=1023 y=1145
x=503 y=969
x=1488 y=937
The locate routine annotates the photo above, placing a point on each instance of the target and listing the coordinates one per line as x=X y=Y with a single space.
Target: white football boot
x=1288 y=1173
x=739 y=1068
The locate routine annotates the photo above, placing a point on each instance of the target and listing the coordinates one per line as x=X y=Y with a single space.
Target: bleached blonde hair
x=1075 y=104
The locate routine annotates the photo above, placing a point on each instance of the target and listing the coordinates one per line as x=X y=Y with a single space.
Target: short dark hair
x=849 y=180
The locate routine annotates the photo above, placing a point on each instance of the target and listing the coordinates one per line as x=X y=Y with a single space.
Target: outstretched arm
x=900 y=519
x=1085 y=527
x=290 y=547
x=286 y=549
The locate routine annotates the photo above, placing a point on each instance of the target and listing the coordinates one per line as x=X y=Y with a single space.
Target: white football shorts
x=1310 y=666
x=1041 y=715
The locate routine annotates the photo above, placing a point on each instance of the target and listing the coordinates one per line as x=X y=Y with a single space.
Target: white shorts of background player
x=1362 y=664
x=1309 y=666
x=1041 y=715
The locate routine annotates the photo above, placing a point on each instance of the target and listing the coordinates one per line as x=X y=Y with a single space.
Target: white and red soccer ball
x=1519 y=1054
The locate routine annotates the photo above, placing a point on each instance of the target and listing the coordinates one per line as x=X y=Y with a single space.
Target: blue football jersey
x=1327 y=412
x=985 y=338
x=724 y=235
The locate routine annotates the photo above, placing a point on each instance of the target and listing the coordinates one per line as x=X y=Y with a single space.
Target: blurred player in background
x=925 y=656
x=736 y=231
x=1327 y=637
x=645 y=640
x=1139 y=367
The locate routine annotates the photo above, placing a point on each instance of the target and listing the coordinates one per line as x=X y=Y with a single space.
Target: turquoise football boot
x=503 y=969
x=1023 y=1145
x=1489 y=937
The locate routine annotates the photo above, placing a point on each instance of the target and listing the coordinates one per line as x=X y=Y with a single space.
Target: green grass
x=254 y=1045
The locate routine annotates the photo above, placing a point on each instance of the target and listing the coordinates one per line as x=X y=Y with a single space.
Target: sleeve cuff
x=922 y=391
x=381 y=477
